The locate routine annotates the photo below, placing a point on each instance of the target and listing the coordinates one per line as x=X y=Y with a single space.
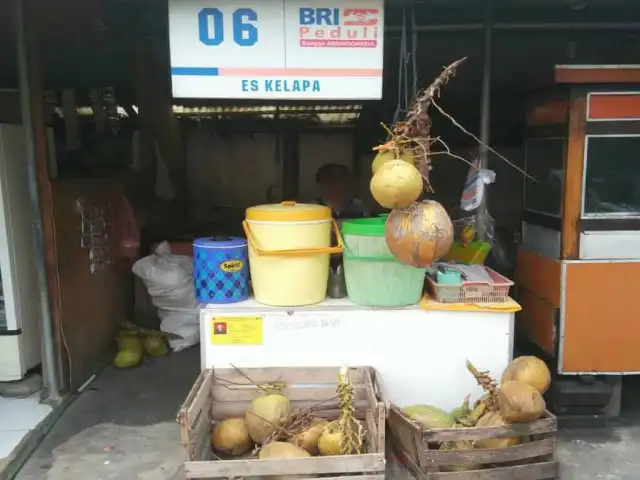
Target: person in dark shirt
x=337 y=192
x=335 y=185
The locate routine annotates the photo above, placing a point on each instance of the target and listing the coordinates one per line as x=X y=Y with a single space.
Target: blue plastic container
x=221 y=269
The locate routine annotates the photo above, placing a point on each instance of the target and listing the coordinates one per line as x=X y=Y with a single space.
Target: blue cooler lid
x=221 y=241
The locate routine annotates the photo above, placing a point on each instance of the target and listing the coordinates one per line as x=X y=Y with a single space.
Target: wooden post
x=290 y=150
x=572 y=201
x=32 y=96
x=158 y=121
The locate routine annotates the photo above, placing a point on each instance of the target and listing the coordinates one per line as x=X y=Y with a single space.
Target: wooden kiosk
x=578 y=269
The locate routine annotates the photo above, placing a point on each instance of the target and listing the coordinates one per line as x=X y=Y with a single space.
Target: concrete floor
x=123 y=428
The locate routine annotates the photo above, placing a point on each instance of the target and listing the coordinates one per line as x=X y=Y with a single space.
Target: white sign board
x=277 y=49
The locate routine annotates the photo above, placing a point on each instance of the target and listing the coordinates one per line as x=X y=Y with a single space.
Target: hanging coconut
x=530 y=370
x=420 y=234
x=387 y=156
x=519 y=402
x=493 y=419
x=396 y=184
x=231 y=437
x=265 y=415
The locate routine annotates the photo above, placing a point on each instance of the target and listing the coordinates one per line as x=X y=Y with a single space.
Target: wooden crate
x=226 y=393
x=415 y=447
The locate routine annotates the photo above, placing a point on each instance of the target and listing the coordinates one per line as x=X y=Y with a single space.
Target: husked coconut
x=130 y=352
x=397 y=184
x=128 y=358
x=493 y=419
x=331 y=439
x=265 y=415
x=463 y=467
x=127 y=341
x=382 y=158
x=530 y=370
x=231 y=437
x=155 y=346
x=283 y=450
x=519 y=402
x=308 y=438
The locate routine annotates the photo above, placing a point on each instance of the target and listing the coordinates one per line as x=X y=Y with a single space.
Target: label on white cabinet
x=285 y=322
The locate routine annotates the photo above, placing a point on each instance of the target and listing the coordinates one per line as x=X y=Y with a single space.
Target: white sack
x=183 y=323
x=168 y=278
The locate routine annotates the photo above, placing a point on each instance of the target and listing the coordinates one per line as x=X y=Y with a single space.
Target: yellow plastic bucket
x=289 y=248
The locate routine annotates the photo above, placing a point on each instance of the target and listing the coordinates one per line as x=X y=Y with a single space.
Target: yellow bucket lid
x=288 y=212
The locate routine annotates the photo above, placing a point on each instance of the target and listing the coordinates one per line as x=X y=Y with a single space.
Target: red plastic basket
x=472 y=292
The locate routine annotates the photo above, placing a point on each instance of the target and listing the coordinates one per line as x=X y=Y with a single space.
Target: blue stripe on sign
x=200 y=71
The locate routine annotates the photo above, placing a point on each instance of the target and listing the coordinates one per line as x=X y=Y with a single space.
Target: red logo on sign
x=365 y=17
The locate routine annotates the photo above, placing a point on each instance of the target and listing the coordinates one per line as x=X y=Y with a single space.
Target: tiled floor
x=17 y=417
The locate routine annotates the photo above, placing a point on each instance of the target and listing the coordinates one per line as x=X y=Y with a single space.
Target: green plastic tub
x=373 y=276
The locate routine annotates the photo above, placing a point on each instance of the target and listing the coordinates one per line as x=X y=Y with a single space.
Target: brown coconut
x=231 y=437
x=519 y=402
x=308 y=438
x=420 y=234
x=530 y=370
x=490 y=420
x=265 y=415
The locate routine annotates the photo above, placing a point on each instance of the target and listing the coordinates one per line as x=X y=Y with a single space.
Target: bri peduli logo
x=336 y=27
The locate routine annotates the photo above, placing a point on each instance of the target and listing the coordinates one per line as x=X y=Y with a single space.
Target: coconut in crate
x=516 y=399
x=267 y=413
x=272 y=428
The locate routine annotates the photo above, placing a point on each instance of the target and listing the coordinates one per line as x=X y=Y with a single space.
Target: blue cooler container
x=221 y=269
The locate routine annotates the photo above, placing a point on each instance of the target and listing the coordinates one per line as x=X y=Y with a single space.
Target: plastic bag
x=129 y=233
x=474 y=187
x=168 y=278
x=183 y=323
x=466 y=227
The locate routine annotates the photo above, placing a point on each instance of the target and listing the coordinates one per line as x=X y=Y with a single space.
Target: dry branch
x=414 y=133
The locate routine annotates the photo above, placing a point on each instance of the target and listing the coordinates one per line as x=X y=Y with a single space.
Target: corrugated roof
x=325 y=114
